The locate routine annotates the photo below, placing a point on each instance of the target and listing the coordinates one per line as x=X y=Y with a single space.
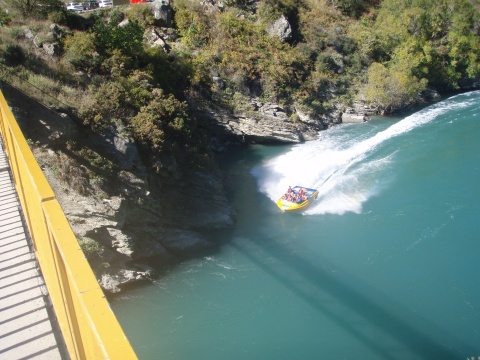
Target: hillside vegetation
x=383 y=53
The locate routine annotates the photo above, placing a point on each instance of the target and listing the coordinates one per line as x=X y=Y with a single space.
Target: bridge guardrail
x=89 y=326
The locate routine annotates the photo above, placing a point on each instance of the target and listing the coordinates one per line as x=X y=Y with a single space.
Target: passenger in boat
x=301 y=196
x=305 y=194
x=295 y=196
x=289 y=194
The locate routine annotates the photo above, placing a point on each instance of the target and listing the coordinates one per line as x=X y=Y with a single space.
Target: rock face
x=281 y=29
x=263 y=123
x=359 y=113
x=147 y=221
x=160 y=37
x=162 y=12
x=353 y=118
x=121 y=150
x=47 y=42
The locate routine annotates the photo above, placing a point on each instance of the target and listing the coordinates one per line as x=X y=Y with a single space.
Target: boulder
x=121 y=150
x=465 y=84
x=431 y=94
x=353 y=118
x=51 y=49
x=162 y=12
x=124 y=22
x=113 y=281
x=218 y=82
x=281 y=29
x=350 y=116
x=157 y=37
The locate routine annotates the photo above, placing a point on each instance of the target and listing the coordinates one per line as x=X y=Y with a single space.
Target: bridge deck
x=26 y=329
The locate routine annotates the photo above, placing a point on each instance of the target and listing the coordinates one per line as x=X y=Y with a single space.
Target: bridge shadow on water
x=365 y=313
x=389 y=329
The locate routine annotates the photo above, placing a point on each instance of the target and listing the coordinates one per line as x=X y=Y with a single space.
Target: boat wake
x=348 y=164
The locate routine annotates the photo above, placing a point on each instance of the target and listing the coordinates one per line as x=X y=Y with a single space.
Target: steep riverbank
x=143 y=222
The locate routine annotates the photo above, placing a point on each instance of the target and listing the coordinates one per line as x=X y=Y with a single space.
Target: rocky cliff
x=143 y=222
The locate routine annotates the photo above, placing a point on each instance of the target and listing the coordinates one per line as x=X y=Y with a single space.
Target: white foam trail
x=337 y=163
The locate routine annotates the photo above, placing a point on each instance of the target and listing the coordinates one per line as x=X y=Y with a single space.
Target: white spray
x=340 y=166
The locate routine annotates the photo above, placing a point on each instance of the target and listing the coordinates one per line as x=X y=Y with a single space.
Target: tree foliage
x=126 y=38
x=192 y=23
x=424 y=42
x=163 y=123
x=80 y=51
x=392 y=88
x=109 y=108
x=444 y=32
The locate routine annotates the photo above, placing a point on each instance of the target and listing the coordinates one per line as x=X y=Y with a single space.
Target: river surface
x=384 y=265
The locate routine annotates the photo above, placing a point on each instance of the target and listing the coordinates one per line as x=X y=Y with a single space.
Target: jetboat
x=297 y=199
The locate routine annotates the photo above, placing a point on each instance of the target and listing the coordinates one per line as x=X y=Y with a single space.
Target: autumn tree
x=392 y=89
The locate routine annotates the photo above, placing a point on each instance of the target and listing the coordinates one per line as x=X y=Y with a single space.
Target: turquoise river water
x=384 y=265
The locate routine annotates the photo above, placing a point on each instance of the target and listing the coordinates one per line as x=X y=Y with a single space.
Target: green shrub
x=353 y=8
x=192 y=23
x=109 y=107
x=392 y=89
x=58 y=17
x=128 y=38
x=142 y=14
x=80 y=51
x=5 y=19
x=163 y=123
x=89 y=246
x=139 y=86
x=295 y=118
x=271 y=10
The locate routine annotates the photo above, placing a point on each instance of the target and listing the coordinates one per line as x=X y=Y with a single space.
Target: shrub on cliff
x=163 y=124
x=80 y=51
x=439 y=39
x=192 y=22
x=126 y=38
x=109 y=108
x=392 y=89
x=141 y=14
x=5 y=19
x=271 y=10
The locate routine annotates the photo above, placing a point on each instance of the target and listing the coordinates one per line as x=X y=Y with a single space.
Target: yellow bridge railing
x=89 y=327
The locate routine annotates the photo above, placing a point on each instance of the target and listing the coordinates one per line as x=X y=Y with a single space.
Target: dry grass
x=68 y=171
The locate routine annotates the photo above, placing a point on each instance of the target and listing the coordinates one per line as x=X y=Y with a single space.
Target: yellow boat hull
x=290 y=206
